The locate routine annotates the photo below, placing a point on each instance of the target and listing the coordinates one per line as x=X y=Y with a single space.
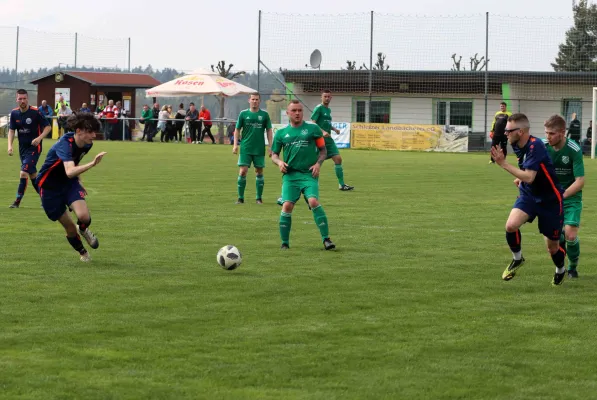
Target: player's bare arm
x=324 y=133
x=281 y=164
x=577 y=186
x=322 y=156
x=11 y=138
x=41 y=137
x=235 y=147
x=73 y=171
x=270 y=134
x=527 y=176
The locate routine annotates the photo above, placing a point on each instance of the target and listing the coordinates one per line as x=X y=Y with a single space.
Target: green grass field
x=410 y=306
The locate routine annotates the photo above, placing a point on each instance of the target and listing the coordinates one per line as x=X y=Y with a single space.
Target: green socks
x=321 y=220
x=339 y=174
x=241 y=183
x=285 y=224
x=573 y=251
x=259 y=186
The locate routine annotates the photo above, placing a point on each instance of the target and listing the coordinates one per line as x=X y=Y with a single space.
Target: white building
x=447 y=97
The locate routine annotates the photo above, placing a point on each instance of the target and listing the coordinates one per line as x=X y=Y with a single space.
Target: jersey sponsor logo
x=28 y=121
x=565 y=160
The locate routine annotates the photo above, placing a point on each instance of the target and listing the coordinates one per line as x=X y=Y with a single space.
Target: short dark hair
x=84 y=121
x=294 y=101
x=181 y=105
x=520 y=118
x=325 y=91
x=555 y=122
x=255 y=94
x=191 y=104
x=22 y=91
x=503 y=103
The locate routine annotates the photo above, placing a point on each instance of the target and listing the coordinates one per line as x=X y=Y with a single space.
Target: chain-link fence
x=444 y=70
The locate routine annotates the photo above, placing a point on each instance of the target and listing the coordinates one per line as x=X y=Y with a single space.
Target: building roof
x=429 y=81
x=121 y=79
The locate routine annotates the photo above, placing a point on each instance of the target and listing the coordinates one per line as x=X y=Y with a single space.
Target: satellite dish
x=315 y=59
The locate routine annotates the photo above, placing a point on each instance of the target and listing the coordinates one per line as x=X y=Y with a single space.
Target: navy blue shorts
x=29 y=158
x=55 y=202
x=550 y=216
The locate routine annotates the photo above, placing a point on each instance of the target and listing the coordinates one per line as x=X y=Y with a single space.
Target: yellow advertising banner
x=408 y=137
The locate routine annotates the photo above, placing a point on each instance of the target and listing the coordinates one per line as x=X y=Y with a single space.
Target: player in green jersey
x=253 y=122
x=304 y=152
x=567 y=158
x=322 y=116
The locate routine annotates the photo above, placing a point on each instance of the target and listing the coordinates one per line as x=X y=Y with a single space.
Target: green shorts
x=331 y=147
x=295 y=183
x=245 y=160
x=572 y=213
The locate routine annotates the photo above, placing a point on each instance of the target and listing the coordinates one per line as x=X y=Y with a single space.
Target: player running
x=540 y=196
x=253 y=122
x=59 y=183
x=567 y=158
x=304 y=152
x=32 y=128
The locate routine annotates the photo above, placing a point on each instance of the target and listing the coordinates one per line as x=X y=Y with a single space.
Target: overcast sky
x=420 y=35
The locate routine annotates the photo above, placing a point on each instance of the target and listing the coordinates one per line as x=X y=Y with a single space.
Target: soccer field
x=410 y=305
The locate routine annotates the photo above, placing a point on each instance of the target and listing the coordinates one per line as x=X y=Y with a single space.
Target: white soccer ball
x=229 y=257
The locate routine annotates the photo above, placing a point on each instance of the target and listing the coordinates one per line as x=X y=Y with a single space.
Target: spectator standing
x=63 y=113
x=110 y=113
x=205 y=116
x=192 y=118
x=180 y=117
x=146 y=115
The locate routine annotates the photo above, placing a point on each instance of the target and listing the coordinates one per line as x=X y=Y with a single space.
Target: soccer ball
x=229 y=257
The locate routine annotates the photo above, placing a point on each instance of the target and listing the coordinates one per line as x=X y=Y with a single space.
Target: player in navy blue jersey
x=540 y=195
x=59 y=183
x=32 y=127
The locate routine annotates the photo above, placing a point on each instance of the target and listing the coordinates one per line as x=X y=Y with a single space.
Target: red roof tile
x=115 y=79
x=111 y=78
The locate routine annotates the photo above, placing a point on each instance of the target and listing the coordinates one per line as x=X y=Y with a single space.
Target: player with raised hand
x=304 y=152
x=59 y=183
x=32 y=127
x=253 y=122
x=567 y=158
x=540 y=196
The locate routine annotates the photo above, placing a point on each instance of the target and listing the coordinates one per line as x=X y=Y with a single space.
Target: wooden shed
x=93 y=88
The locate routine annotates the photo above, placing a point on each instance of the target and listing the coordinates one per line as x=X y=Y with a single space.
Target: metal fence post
x=259 y=53
x=76 y=41
x=486 y=67
x=371 y=67
x=129 y=54
x=17 y=60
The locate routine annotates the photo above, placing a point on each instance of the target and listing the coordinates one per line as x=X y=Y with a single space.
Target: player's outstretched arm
x=72 y=170
x=527 y=176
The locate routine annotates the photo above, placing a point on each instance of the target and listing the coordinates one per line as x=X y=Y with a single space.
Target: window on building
x=379 y=112
x=569 y=107
x=361 y=110
x=454 y=112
